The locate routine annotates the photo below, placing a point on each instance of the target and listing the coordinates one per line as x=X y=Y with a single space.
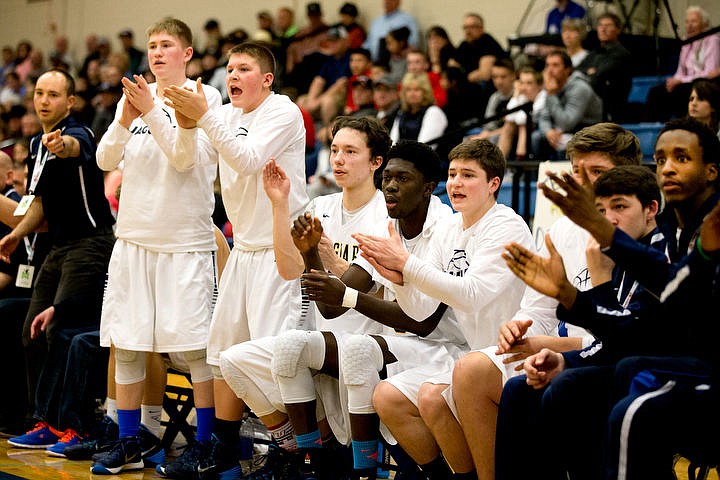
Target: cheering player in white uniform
x=408 y=181
x=462 y=269
x=253 y=300
x=358 y=150
x=162 y=272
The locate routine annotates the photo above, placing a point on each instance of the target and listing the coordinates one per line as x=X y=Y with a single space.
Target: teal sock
x=365 y=454
x=205 y=419
x=309 y=440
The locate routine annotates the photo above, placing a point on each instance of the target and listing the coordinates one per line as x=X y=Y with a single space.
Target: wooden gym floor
x=37 y=465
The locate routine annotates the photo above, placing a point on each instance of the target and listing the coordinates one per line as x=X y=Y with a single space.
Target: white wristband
x=349 y=298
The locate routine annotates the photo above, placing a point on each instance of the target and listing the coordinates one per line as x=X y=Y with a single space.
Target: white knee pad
x=296 y=348
x=216 y=373
x=294 y=354
x=361 y=360
x=129 y=366
x=245 y=388
x=197 y=365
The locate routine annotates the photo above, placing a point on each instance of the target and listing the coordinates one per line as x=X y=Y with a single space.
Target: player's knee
x=431 y=403
x=196 y=361
x=297 y=348
x=233 y=376
x=387 y=399
x=361 y=359
x=129 y=366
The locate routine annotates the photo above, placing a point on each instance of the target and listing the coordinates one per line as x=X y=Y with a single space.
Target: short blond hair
x=174 y=27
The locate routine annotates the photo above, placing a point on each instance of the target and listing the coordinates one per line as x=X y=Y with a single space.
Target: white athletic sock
x=284 y=436
x=111 y=409
x=150 y=416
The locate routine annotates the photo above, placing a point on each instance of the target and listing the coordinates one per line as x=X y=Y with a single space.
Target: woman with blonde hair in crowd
x=419 y=118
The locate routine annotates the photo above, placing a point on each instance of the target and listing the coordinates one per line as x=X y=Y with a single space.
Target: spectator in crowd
x=394 y=57
x=362 y=91
x=32 y=67
x=213 y=34
x=573 y=33
x=419 y=118
x=563 y=9
x=60 y=55
x=704 y=103
x=22 y=53
x=440 y=49
x=137 y=59
x=698 y=59
x=609 y=68
x=360 y=64
x=417 y=62
x=12 y=91
x=326 y=96
x=266 y=23
x=285 y=25
x=571 y=105
x=466 y=100
x=349 y=19
x=108 y=98
x=478 y=51
x=513 y=141
x=7 y=62
x=503 y=77
x=392 y=19
x=304 y=54
x=30 y=125
x=387 y=100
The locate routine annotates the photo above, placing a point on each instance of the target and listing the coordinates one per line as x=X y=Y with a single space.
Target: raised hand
x=184 y=121
x=275 y=182
x=191 y=104
x=386 y=251
x=138 y=93
x=128 y=113
x=306 y=232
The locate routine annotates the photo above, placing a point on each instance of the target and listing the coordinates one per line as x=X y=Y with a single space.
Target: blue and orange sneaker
x=41 y=435
x=70 y=437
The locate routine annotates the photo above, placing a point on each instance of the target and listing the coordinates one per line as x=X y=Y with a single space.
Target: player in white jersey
x=358 y=150
x=162 y=271
x=478 y=377
x=408 y=181
x=254 y=301
x=462 y=269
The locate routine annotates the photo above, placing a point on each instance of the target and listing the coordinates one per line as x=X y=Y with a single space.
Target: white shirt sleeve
x=111 y=149
x=248 y=154
x=486 y=278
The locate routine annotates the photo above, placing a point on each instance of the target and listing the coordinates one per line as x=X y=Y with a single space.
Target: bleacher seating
x=646 y=132
x=641 y=85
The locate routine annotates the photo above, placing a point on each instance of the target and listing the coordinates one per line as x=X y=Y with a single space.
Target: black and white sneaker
x=125 y=454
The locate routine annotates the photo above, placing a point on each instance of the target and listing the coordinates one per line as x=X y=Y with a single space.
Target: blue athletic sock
x=365 y=454
x=205 y=419
x=309 y=440
x=129 y=422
